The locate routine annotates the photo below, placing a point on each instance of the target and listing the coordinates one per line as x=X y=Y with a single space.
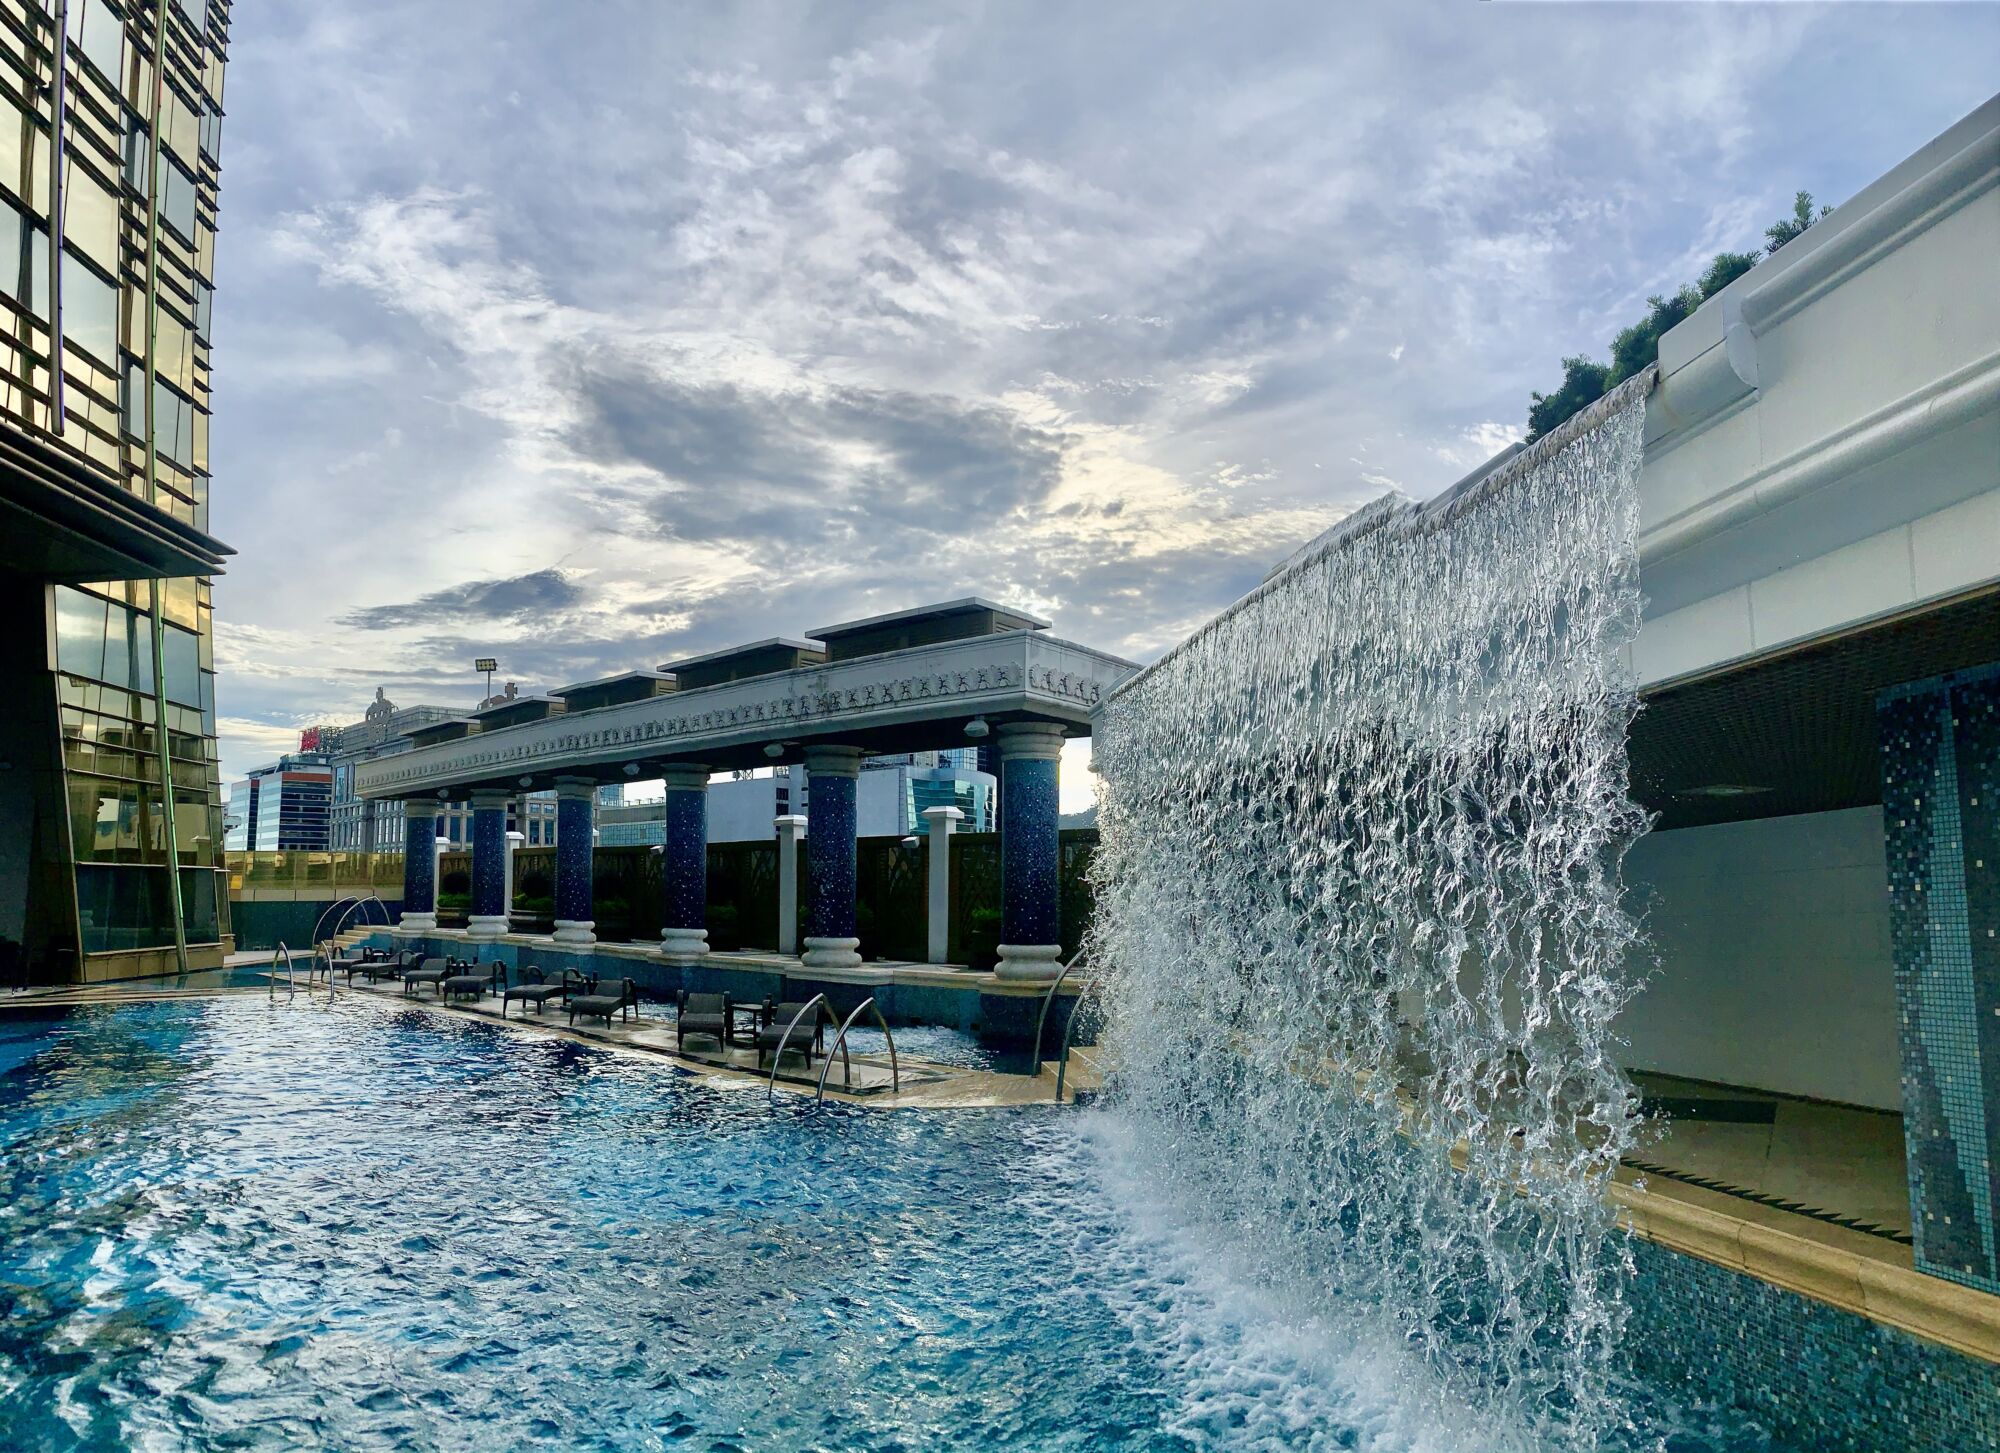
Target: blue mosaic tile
x=684 y=860
x=573 y=860
x=1940 y=743
x=830 y=851
x=420 y=865
x=1030 y=854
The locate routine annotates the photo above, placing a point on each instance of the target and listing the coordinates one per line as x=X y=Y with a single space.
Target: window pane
x=182 y=659
x=90 y=311
x=98 y=33
x=177 y=200
x=79 y=632
x=138 y=153
x=90 y=217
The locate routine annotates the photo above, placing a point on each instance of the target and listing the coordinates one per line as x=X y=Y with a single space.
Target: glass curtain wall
x=107 y=355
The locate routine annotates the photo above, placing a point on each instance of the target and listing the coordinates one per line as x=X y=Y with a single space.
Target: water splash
x=1360 y=926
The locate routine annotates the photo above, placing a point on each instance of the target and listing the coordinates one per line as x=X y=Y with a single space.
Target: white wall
x=1774 y=962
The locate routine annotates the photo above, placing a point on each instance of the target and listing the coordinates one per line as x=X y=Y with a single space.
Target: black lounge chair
x=431 y=971
x=379 y=964
x=706 y=1014
x=614 y=996
x=472 y=984
x=538 y=986
x=809 y=1037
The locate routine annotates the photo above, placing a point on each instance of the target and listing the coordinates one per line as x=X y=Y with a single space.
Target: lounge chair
x=613 y=996
x=538 y=986
x=379 y=964
x=705 y=1014
x=809 y=1037
x=432 y=971
x=471 y=984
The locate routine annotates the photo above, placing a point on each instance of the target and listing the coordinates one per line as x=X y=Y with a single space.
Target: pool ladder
x=1069 y=1025
x=318 y=963
x=811 y=1007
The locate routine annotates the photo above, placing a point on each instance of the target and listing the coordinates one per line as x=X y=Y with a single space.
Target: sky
x=588 y=334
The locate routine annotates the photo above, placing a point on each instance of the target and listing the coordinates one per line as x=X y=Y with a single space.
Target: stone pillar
x=1030 y=852
x=790 y=829
x=490 y=861
x=1940 y=744
x=684 y=866
x=515 y=838
x=943 y=821
x=830 y=778
x=420 y=866
x=575 y=799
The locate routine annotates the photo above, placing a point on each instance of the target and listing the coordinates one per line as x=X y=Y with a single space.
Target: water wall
x=1360 y=930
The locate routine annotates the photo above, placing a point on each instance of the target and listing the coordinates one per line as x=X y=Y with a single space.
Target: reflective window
x=24 y=156
x=90 y=218
x=181 y=657
x=24 y=260
x=90 y=310
x=177 y=199
x=138 y=153
x=204 y=301
x=99 y=33
x=123 y=907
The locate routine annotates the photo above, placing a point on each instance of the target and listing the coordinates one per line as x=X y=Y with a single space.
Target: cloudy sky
x=589 y=334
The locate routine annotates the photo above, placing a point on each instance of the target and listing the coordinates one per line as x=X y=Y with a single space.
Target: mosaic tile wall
x=1941 y=812
x=1812 y=1376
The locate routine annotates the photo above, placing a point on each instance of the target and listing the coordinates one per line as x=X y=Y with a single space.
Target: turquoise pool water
x=225 y=1224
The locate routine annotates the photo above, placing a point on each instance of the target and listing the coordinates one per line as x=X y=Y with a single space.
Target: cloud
x=479 y=600
x=590 y=345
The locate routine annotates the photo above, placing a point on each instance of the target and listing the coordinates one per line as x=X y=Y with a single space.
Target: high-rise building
x=282 y=806
x=111 y=820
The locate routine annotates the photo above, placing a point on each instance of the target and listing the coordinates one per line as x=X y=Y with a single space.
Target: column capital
x=834 y=761
x=685 y=777
x=1030 y=741
x=943 y=818
x=572 y=788
x=421 y=809
x=790 y=825
x=485 y=799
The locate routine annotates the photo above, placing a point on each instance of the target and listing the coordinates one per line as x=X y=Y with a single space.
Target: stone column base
x=832 y=953
x=418 y=923
x=1032 y=961
x=683 y=945
x=570 y=930
x=485 y=927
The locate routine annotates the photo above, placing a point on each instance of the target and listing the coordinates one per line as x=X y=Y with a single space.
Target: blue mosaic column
x=488 y=919
x=1940 y=742
x=831 y=773
x=1030 y=852
x=420 y=866
x=684 y=866
x=575 y=862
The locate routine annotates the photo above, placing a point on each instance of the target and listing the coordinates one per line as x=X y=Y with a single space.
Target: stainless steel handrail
x=847 y=1065
x=1042 y=1019
x=354 y=904
x=771 y=1089
x=1069 y=1034
x=271 y=979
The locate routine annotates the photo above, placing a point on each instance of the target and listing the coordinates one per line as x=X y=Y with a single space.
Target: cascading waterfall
x=1359 y=920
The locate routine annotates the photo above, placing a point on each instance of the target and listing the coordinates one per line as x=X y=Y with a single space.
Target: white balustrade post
x=790 y=829
x=942 y=822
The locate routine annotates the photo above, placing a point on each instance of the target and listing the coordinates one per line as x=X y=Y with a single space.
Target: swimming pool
x=229 y=1224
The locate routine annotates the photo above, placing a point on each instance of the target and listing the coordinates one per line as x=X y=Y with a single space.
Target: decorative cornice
x=1014 y=671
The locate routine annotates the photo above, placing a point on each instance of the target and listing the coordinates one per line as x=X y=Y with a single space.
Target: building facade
x=110 y=121
x=357 y=825
x=284 y=806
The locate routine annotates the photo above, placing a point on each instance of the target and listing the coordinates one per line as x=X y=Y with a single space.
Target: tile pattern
x=420 y=865
x=1940 y=742
x=573 y=859
x=830 y=855
x=489 y=861
x=1811 y=1375
x=1030 y=852
x=684 y=861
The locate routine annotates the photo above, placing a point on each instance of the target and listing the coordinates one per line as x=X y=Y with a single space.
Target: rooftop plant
x=1585 y=380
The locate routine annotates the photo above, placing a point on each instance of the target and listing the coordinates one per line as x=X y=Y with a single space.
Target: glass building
x=110 y=121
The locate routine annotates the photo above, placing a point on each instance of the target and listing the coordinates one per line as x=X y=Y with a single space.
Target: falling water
x=1360 y=927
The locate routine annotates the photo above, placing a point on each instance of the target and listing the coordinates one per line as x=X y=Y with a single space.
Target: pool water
x=228 y=1224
